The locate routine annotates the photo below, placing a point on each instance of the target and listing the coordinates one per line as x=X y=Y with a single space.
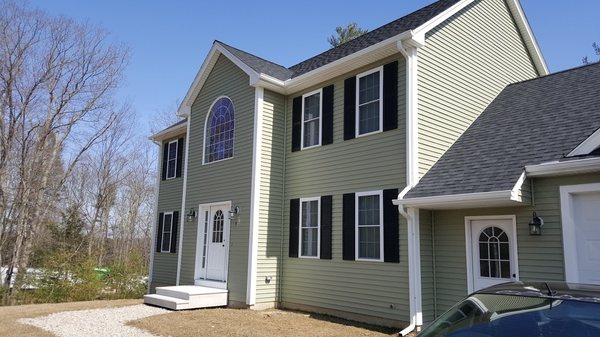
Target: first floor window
x=369 y=88
x=167 y=231
x=369 y=221
x=309 y=227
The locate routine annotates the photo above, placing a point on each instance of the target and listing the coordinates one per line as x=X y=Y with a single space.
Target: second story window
x=219 y=131
x=369 y=102
x=172 y=159
x=311 y=119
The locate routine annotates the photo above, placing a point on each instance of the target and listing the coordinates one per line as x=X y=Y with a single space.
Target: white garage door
x=586 y=215
x=580 y=208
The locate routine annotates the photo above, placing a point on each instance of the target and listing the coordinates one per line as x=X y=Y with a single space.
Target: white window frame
x=162 y=235
x=318 y=256
x=320 y=92
x=356 y=238
x=168 y=154
x=204 y=162
x=357 y=117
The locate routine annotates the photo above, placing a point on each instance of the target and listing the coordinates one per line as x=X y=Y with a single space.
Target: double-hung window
x=167 y=231
x=369 y=226
x=172 y=159
x=369 y=102
x=311 y=119
x=310 y=227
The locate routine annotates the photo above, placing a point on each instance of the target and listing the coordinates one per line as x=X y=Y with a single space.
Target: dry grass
x=238 y=323
x=10 y=315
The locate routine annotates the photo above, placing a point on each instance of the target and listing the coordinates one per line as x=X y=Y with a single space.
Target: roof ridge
x=556 y=73
x=243 y=51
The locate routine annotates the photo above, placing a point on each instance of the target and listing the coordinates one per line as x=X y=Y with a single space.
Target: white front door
x=492 y=252
x=212 y=244
x=586 y=216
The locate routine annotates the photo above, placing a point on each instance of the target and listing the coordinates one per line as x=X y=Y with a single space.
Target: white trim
x=154 y=221
x=255 y=196
x=357 y=133
x=568 y=227
x=414 y=264
x=162 y=250
x=356 y=225
x=563 y=167
x=176 y=141
x=530 y=42
x=469 y=250
x=318 y=256
x=514 y=193
x=587 y=146
x=459 y=200
x=314 y=92
x=412 y=114
x=183 y=199
x=208 y=114
x=429 y=25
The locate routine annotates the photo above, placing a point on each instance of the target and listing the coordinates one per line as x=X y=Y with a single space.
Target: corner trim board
x=183 y=199
x=255 y=197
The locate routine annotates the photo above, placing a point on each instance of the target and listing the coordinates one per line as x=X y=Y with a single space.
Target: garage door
x=586 y=213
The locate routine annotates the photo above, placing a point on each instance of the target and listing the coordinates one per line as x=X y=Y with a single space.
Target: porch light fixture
x=191 y=215
x=234 y=214
x=535 y=226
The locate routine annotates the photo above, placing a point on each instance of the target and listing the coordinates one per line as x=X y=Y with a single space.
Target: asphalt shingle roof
x=529 y=123
x=408 y=22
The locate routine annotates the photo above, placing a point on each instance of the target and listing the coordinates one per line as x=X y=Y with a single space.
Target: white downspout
x=182 y=217
x=408 y=48
x=153 y=237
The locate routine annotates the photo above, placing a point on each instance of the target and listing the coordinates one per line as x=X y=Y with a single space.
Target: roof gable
x=530 y=122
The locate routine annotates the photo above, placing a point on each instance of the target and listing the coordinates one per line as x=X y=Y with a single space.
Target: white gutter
x=255 y=197
x=182 y=217
x=455 y=199
x=563 y=167
x=154 y=234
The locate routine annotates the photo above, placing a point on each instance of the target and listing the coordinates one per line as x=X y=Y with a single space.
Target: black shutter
x=327 y=129
x=179 y=157
x=296 y=123
x=326 y=203
x=348 y=227
x=174 y=227
x=391 y=248
x=294 y=226
x=349 y=108
x=159 y=231
x=165 y=157
x=390 y=96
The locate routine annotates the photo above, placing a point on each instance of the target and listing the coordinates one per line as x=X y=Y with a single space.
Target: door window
x=494 y=253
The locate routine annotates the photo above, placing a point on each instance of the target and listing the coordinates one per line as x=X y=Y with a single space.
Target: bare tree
x=57 y=78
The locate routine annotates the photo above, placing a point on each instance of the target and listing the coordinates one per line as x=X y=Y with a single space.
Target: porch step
x=187 y=297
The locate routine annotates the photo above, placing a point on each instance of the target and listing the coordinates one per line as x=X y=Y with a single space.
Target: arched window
x=494 y=256
x=220 y=127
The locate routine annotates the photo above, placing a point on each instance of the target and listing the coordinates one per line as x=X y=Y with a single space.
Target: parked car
x=523 y=309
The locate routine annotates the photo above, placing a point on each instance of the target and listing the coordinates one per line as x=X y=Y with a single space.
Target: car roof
x=552 y=290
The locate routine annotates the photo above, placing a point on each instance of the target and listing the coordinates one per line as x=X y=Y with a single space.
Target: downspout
x=182 y=217
x=153 y=237
x=408 y=48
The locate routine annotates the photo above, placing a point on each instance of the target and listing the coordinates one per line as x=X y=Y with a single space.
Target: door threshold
x=211 y=283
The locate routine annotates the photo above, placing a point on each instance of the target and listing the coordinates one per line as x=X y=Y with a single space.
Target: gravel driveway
x=96 y=322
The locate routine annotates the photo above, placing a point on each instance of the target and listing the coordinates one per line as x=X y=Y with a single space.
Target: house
x=532 y=156
x=277 y=189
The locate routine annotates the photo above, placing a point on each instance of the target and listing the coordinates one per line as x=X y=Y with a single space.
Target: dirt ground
x=241 y=323
x=9 y=315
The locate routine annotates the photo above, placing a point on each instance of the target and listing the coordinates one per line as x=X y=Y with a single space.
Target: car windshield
x=490 y=315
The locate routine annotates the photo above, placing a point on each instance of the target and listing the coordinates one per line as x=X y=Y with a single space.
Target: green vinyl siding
x=464 y=64
x=227 y=180
x=373 y=162
x=164 y=270
x=427 y=266
x=540 y=257
x=271 y=198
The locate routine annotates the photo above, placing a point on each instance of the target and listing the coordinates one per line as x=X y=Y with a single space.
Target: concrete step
x=187 y=297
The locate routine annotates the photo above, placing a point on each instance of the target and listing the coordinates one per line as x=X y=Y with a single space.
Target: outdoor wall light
x=234 y=214
x=535 y=226
x=191 y=215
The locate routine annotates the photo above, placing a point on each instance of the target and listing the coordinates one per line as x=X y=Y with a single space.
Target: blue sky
x=170 y=39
